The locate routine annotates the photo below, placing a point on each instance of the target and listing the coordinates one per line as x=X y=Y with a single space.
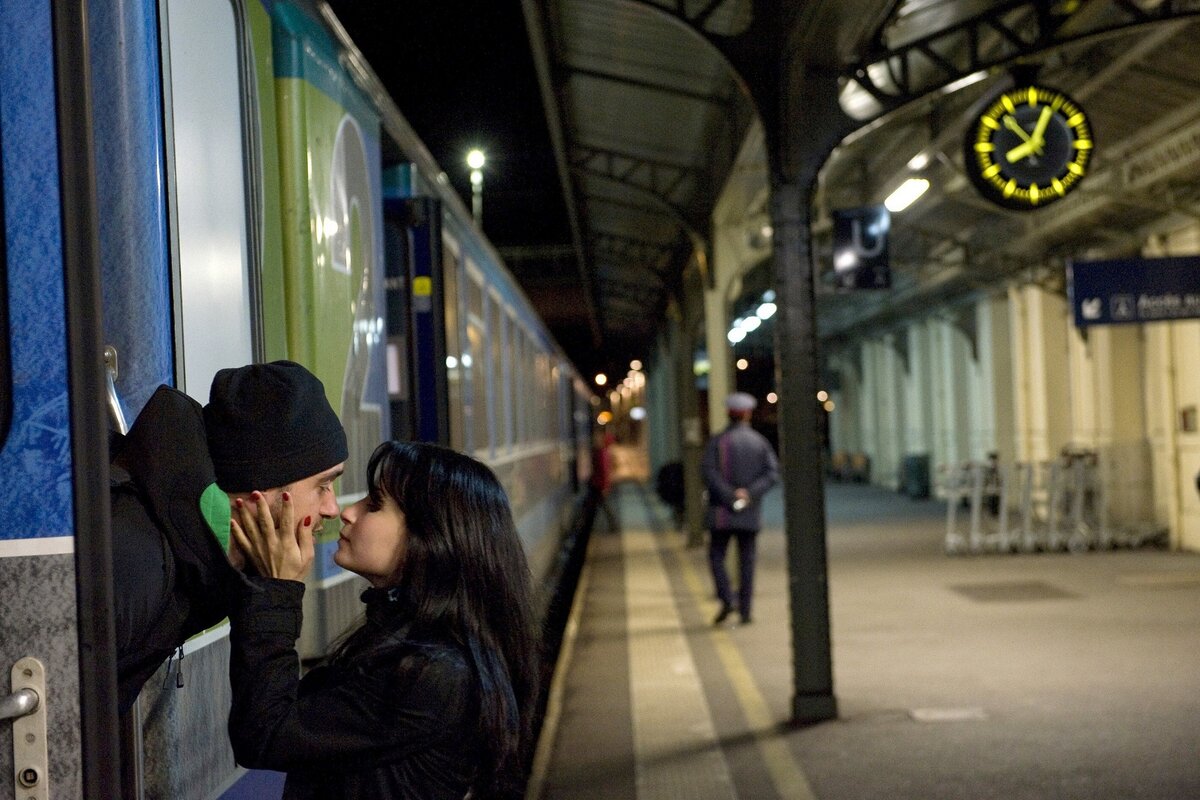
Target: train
x=195 y=184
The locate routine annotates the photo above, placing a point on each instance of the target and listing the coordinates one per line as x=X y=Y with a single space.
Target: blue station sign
x=1134 y=290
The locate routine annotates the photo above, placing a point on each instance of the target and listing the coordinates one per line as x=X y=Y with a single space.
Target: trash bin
x=915 y=478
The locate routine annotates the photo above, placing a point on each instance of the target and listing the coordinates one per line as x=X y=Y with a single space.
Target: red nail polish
x=239 y=502
x=307 y=521
x=287 y=497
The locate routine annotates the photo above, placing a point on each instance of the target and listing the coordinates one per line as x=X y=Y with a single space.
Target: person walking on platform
x=433 y=696
x=739 y=467
x=600 y=481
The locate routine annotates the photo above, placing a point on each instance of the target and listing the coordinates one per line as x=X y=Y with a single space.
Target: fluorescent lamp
x=906 y=194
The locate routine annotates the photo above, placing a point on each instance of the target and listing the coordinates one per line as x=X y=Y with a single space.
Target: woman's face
x=373 y=541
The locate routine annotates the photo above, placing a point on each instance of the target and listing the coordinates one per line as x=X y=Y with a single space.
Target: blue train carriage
x=238 y=170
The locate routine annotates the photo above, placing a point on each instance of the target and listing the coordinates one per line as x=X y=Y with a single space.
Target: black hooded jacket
x=172 y=578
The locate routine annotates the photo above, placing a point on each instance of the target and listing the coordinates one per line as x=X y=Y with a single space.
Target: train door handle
x=26 y=707
x=114 y=402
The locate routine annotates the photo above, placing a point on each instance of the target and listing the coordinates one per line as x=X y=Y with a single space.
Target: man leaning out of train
x=432 y=696
x=175 y=480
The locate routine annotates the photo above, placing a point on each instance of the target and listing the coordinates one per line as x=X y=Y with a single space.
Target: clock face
x=1029 y=147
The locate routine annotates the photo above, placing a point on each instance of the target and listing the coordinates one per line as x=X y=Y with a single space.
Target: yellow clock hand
x=1016 y=128
x=1021 y=151
x=1033 y=142
x=1039 y=130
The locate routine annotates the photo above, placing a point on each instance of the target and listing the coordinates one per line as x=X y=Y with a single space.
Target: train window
x=492 y=325
x=522 y=381
x=476 y=351
x=502 y=366
x=513 y=388
x=208 y=148
x=454 y=369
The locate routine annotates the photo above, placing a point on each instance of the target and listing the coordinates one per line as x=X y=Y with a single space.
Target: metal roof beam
x=628 y=246
x=657 y=175
x=720 y=102
x=997 y=36
x=539 y=44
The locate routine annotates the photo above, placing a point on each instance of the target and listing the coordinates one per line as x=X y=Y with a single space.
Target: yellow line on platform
x=789 y=779
x=554 y=699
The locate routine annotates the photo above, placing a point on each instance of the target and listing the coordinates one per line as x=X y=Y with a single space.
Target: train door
x=57 y=667
x=416 y=320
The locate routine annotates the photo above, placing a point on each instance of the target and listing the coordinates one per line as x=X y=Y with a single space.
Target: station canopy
x=648 y=117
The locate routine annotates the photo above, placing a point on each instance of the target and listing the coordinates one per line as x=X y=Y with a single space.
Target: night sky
x=461 y=72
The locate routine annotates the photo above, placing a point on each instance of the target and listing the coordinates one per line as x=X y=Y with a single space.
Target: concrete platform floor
x=994 y=676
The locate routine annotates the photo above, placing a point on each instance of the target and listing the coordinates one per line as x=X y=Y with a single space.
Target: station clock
x=1028 y=147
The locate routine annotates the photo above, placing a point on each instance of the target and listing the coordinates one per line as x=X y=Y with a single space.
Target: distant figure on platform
x=739 y=467
x=601 y=481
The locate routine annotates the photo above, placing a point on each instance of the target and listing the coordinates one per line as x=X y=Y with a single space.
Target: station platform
x=998 y=676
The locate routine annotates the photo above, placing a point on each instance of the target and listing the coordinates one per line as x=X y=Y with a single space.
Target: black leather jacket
x=395 y=722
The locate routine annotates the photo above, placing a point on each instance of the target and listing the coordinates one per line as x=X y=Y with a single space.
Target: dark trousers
x=597 y=500
x=718 y=544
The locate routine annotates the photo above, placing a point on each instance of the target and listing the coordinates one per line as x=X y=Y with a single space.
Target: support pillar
x=800 y=456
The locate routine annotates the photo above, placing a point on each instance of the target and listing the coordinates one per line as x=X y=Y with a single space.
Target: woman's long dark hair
x=464 y=574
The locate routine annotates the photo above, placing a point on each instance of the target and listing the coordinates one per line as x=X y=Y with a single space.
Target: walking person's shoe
x=724 y=613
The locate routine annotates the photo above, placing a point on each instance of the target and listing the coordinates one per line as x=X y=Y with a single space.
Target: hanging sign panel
x=1134 y=290
x=860 y=248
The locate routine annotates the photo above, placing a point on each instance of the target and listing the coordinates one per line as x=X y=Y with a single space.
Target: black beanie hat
x=269 y=425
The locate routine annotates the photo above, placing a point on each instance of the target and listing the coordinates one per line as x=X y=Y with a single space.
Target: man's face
x=311 y=497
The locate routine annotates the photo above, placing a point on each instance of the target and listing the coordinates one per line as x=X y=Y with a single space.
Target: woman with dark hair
x=433 y=696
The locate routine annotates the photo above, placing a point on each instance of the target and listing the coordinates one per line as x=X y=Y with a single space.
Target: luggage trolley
x=985 y=486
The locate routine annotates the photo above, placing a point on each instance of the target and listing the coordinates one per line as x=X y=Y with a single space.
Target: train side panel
x=333 y=272
x=37 y=562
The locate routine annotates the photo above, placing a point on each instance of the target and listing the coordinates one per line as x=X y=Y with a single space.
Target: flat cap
x=740 y=401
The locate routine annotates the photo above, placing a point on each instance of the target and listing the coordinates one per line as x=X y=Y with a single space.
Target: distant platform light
x=476 y=159
x=822 y=396
x=742 y=363
x=769 y=296
x=635 y=364
x=451 y=362
x=736 y=335
x=751 y=323
x=601 y=379
x=604 y=417
x=919 y=162
x=466 y=359
x=766 y=311
x=637 y=413
x=772 y=397
x=828 y=405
